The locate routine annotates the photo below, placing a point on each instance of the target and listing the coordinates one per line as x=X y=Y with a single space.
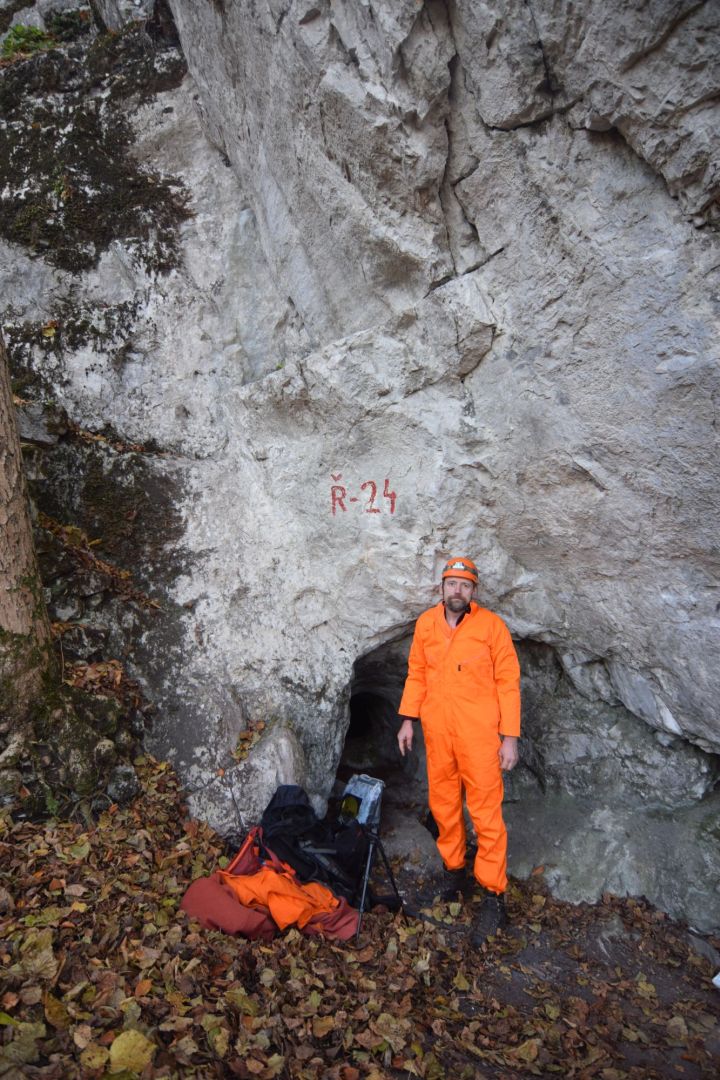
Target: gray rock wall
x=580 y=473
x=450 y=283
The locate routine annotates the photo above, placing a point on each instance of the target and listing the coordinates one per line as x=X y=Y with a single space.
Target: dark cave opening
x=371 y=738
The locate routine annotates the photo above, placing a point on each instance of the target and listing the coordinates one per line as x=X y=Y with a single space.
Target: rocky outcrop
x=594 y=282
x=447 y=282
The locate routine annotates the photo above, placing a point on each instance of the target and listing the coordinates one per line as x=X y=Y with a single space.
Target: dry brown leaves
x=103 y=977
x=83 y=435
x=79 y=546
x=104 y=677
x=247 y=739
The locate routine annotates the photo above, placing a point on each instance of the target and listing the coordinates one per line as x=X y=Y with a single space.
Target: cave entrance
x=371 y=739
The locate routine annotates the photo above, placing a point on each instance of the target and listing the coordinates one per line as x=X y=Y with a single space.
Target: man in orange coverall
x=463 y=684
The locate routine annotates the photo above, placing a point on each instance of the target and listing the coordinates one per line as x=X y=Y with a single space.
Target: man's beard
x=457 y=604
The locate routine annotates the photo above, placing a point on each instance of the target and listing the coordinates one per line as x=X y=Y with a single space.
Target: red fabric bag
x=216 y=906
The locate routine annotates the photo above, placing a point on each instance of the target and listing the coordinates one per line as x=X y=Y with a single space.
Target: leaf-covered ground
x=101 y=976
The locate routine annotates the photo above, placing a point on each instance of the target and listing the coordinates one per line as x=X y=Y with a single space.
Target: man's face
x=457 y=593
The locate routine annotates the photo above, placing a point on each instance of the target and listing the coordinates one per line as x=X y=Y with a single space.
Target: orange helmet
x=462 y=568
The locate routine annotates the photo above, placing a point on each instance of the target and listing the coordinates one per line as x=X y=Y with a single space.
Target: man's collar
x=467 y=611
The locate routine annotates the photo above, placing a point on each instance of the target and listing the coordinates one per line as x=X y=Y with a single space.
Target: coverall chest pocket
x=477 y=668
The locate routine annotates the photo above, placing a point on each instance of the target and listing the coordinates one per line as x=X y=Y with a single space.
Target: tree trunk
x=25 y=649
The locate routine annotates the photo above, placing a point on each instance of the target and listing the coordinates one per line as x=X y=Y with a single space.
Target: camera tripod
x=375 y=845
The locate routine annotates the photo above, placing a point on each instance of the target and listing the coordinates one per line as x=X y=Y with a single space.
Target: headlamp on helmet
x=461 y=568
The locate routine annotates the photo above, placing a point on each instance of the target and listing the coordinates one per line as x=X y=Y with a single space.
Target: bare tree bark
x=25 y=650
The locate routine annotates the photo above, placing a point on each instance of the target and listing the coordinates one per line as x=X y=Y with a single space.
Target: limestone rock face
x=449 y=284
x=581 y=456
x=117 y=13
x=648 y=72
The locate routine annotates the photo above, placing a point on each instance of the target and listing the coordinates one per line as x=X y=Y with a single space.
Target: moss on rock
x=9 y=12
x=70 y=185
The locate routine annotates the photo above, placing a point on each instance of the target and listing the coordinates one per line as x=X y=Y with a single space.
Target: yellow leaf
x=94 y=1057
x=131 y=1051
x=237 y=997
x=312 y=1003
x=219 y=1039
x=528 y=1050
x=460 y=982
x=55 y=1012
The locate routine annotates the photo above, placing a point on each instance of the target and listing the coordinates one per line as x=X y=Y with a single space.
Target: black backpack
x=317 y=851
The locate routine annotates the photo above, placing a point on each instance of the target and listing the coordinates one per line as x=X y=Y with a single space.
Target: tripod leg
x=366 y=879
x=390 y=874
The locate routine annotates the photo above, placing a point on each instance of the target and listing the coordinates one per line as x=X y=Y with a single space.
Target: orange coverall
x=464 y=685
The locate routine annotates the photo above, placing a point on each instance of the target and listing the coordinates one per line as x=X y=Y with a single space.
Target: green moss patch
x=23 y=40
x=70 y=186
x=10 y=11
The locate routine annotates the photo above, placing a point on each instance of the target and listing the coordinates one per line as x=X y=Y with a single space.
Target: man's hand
x=508 y=752
x=405 y=736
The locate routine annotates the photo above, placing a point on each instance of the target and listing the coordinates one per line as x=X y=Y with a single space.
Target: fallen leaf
x=79 y=851
x=56 y=1013
x=131 y=1051
x=677 y=1029
x=82 y=1036
x=37 y=959
x=323 y=1025
x=143 y=987
x=528 y=1050
x=275 y=1064
x=23 y=1049
x=94 y=1057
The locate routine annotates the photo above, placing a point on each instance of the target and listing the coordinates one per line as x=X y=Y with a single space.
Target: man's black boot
x=489 y=919
x=454 y=883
